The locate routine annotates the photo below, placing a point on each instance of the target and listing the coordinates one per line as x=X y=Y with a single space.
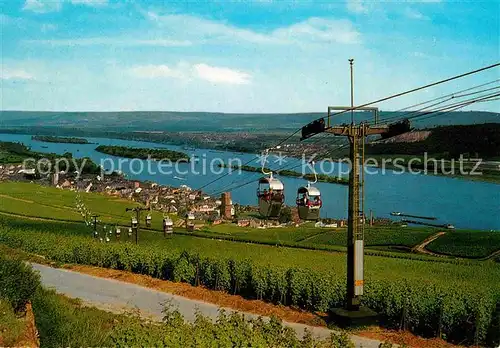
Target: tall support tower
x=353 y=312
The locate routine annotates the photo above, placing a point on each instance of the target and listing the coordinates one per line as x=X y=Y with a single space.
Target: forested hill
x=481 y=140
x=203 y=121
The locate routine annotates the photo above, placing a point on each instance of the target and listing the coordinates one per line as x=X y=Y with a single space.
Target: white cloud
x=320 y=29
x=93 y=3
x=414 y=14
x=202 y=71
x=15 y=74
x=45 y=6
x=203 y=28
x=357 y=6
x=155 y=71
x=96 y=41
x=42 y=6
x=221 y=75
x=311 y=30
x=47 y=27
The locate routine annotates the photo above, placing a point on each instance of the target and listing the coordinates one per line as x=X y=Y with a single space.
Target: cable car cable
x=374 y=102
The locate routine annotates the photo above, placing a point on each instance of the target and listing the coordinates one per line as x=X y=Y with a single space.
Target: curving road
x=114 y=295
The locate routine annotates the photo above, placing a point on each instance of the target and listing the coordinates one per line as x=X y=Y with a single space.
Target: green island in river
x=321 y=177
x=143 y=153
x=55 y=139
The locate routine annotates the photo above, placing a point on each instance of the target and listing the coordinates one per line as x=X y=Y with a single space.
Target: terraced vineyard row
x=457 y=300
x=469 y=244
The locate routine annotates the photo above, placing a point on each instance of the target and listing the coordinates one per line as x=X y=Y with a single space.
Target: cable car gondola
x=168 y=225
x=270 y=193
x=309 y=201
x=271 y=197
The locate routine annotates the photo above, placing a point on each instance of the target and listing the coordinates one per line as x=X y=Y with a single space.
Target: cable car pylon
x=353 y=313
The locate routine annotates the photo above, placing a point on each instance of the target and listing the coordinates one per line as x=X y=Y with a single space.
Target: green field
x=470 y=244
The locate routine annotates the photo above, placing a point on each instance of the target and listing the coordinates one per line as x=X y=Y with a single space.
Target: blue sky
x=239 y=56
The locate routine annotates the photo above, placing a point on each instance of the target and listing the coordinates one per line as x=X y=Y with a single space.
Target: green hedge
x=426 y=308
x=18 y=282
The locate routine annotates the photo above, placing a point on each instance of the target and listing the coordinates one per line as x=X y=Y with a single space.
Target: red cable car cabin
x=309 y=202
x=270 y=196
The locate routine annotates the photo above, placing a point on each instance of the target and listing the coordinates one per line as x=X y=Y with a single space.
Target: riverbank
x=144 y=153
x=291 y=173
x=62 y=140
x=466 y=169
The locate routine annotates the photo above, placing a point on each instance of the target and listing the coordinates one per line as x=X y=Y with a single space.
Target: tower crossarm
x=348 y=130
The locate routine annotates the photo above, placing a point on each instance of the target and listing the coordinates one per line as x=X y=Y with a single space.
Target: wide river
x=463 y=203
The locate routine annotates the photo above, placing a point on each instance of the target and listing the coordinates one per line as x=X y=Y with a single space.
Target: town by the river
x=463 y=203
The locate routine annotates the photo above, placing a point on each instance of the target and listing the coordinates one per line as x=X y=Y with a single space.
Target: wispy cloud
x=155 y=71
x=313 y=29
x=221 y=75
x=319 y=29
x=93 y=3
x=41 y=6
x=15 y=74
x=47 y=27
x=201 y=71
x=205 y=29
x=414 y=14
x=45 y=6
x=110 y=41
x=357 y=6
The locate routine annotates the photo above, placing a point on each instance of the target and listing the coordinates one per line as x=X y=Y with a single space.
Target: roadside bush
x=18 y=282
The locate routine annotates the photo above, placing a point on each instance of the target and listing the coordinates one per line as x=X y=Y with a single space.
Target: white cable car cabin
x=271 y=197
x=309 y=202
x=168 y=225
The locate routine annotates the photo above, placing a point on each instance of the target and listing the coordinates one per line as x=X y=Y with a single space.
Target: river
x=463 y=203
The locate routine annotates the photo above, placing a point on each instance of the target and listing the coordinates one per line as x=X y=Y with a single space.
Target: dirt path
x=311 y=237
x=491 y=256
x=421 y=248
x=16 y=199
x=34 y=218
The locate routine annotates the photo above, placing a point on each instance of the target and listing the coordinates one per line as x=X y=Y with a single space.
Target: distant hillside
x=482 y=140
x=204 y=121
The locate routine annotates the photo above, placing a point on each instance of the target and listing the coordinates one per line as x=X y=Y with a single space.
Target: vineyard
x=378 y=236
x=428 y=298
x=469 y=244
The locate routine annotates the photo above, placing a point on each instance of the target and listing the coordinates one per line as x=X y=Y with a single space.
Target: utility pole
x=351 y=62
x=135 y=224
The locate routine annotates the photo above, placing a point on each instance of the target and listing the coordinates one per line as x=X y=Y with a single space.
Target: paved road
x=110 y=294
